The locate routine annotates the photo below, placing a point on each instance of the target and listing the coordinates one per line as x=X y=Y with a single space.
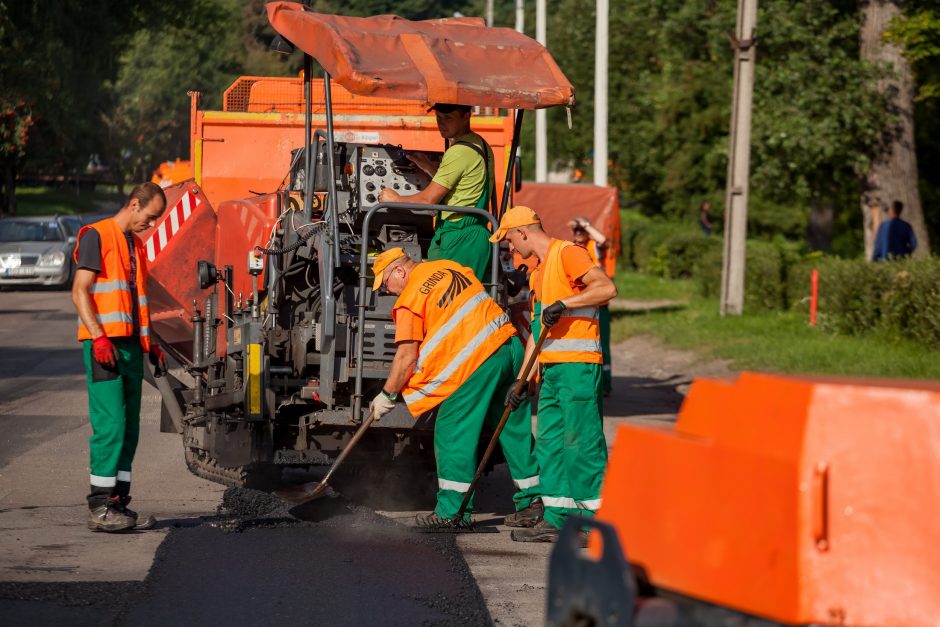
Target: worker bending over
x=110 y=294
x=464 y=178
x=584 y=234
x=569 y=442
x=455 y=352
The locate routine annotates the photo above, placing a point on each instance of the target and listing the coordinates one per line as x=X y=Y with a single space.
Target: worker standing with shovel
x=569 y=443
x=455 y=353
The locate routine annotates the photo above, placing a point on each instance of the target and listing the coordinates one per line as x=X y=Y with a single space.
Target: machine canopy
x=451 y=60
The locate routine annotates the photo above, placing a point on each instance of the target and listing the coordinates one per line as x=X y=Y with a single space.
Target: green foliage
x=817 y=113
x=151 y=120
x=895 y=299
x=918 y=33
x=815 y=108
x=37 y=201
x=16 y=118
x=766 y=269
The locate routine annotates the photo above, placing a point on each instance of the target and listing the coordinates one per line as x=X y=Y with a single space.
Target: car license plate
x=21 y=271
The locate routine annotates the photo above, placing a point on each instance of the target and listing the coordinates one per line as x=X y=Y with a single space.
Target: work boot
x=528 y=516
x=123 y=501
x=110 y=517
x=542 y=531
x=433 y=521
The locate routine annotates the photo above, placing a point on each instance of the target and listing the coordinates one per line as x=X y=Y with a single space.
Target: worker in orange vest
x=569 y=442
x=110 y=294
x=456 y=353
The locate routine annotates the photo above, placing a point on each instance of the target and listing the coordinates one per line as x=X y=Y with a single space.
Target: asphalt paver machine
x=266 y=298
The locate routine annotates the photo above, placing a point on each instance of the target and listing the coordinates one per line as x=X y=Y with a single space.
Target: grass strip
x=780 y=342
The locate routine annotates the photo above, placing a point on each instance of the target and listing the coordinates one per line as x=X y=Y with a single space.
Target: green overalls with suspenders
x=466 y=239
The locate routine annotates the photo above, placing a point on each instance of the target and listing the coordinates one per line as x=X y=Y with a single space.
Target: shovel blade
x=305 y=492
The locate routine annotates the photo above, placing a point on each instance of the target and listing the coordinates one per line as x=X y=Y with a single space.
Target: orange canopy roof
x=453 y=60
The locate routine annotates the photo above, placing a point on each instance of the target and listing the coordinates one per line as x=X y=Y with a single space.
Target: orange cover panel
x=453 y=60
x=557 y=204
x=801 y=500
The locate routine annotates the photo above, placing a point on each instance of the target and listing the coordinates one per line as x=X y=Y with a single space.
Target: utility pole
x=520 y=16
x=600 y=92
x=739 y=161
x=541 y=123
x=489 y=13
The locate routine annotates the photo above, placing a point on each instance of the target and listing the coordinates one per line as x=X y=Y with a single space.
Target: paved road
x=344 y=564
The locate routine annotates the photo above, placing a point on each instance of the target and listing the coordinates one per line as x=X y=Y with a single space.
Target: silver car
x=37 y=250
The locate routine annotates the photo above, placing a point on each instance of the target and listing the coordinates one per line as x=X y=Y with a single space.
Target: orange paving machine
x=798 y=500
x=259 y=274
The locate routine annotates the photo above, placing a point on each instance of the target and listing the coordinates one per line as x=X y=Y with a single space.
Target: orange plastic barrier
x=800 y=500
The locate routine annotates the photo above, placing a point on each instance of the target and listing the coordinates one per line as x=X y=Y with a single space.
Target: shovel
x=306 y=492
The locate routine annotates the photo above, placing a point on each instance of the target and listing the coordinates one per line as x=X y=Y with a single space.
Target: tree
x=893 y=172
x=816 y=112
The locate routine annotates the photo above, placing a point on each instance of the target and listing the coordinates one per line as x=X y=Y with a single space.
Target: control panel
x=386 y=166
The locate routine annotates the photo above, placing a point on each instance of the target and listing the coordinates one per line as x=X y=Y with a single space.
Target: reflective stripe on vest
x=576 y=336
x=109 y=286
x=428 y=346
x=458 y=360
x=463 y=327
x=111 y=292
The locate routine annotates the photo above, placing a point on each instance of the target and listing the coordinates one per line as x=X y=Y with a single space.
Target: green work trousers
x=606 y=378
x=466 y=241
x=480 y=402
x=569 y=440
x=114 y=410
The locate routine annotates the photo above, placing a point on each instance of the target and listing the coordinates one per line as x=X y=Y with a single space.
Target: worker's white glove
x=381 y=405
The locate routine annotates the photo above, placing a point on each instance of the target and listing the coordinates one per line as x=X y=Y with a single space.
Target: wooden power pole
x=739 y=161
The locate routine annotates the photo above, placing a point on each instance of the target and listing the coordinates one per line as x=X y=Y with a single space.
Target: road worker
x=110 y=294
x=464 y=178
x=455 y=353
x=584 y=234
x=569 y=442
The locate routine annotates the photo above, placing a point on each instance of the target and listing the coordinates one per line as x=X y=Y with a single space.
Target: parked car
x=37 y=250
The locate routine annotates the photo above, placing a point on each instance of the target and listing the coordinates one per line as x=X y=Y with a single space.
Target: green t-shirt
x=461 y=172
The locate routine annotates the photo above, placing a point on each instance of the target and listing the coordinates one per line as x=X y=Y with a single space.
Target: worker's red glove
x=104 y=352
x=158 y=359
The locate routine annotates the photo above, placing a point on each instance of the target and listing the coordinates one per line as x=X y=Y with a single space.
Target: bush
x=765 y=274
x=897 y=298
x=665 y=249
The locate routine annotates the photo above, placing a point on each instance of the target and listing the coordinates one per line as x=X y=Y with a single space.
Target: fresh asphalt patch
x=260 y=563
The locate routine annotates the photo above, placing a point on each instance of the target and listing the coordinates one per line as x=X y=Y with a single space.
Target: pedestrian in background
x=895 y=237
x=110 y=294
x=705 y=217
x=584 y=234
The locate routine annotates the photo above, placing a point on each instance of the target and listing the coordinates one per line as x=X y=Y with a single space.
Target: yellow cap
x=514 y=218
x=383 y=261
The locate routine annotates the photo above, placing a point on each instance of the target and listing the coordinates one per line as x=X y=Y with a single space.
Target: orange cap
x=383 y=261
x=514 y=218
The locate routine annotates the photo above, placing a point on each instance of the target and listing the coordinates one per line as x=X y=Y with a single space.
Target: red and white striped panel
x=170 y=224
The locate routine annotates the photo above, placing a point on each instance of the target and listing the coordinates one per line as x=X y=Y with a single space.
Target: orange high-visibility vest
x=463 y=327
x=111 y=292
x=576 y=336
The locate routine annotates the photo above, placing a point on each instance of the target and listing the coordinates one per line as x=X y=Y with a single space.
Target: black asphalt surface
x=328 y=563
